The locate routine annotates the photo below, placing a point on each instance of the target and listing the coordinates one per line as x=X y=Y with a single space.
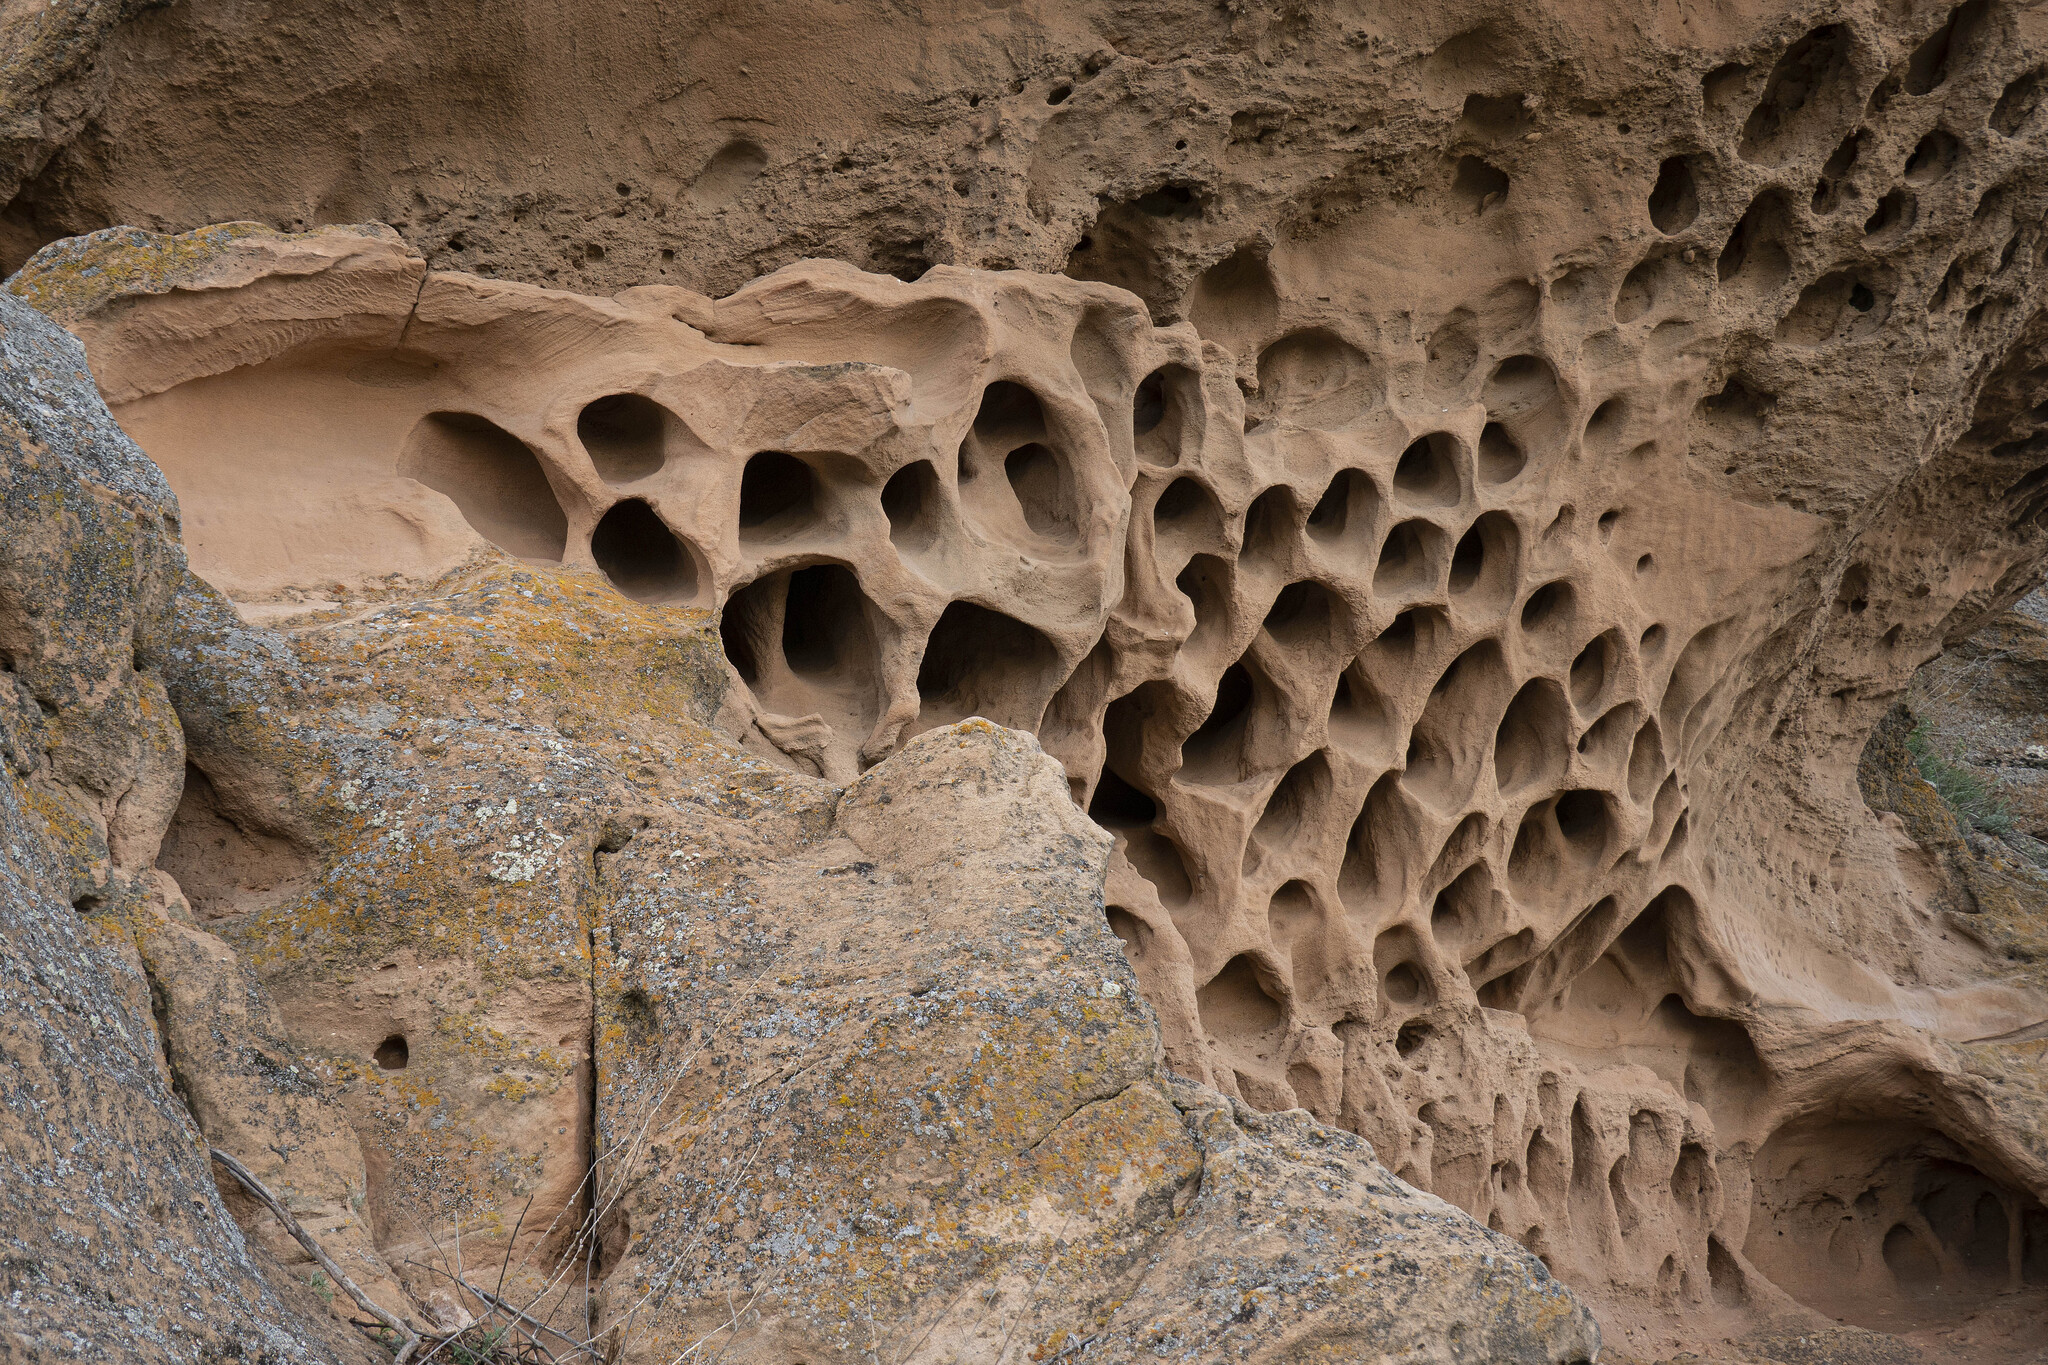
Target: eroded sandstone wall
x=520 y=985
x=1462 y=572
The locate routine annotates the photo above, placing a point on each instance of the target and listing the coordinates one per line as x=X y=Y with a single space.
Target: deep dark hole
x=910 y=501
x=1581 y=816
x=824 y=603
x=1478 y=184
x=1421 y=469
x=1674 y=203
x=1150 y=408
x=1545 y=603
x=641 y=556
x=1008 y=407
x=1268 y=520
x=1119 y=805
x=976 y=660
x=392 y=1054
x=1299 y=606
x=1468 y=561
x=775 y=484
x=1500 y=458
x=1059 y=94
x=1861 y=299
x=1183 y=498
x=1329 y=512
x=1171 y=201
x=1233 y=699
x=623 y=433
x=732 y=631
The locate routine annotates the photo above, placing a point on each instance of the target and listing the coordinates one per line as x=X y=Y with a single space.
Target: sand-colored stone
x=438 y=918
x=1462 y=574
x=1471 y=867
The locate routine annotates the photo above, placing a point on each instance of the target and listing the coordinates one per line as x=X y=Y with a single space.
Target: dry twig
x=409 y=1339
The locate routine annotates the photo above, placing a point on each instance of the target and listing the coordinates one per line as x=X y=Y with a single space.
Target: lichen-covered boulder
x=119 y=1245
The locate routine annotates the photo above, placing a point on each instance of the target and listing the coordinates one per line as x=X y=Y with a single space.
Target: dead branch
x=409 y=1339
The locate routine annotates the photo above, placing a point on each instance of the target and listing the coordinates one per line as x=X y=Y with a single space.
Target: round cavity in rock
x=640 y=555
x=1412 y=1035
x=1583 y=819
x=1528 y=748
x=493 y=478
x=911 y=500
x=1166 y=415
x=1239 y=1003
x=1933 y=158
x=1129 y=929
x=727 y=174
x=1811 y=91
x=1215 y=752
x=1345 y=507
x=1675 y=200
x=1148 y=409
x=1118 y=805
x=1315 y=378
x=1206 y=583
x=1235 y=302
x=392 y=1054
x=1427 y=475
x=1477 y=185
x=625 y=435
x=1893 y=212
x=1468 y=561
x=1548 y=606
x=1404 y=984
x=979 y=662
x=1269 y=525
x=1754 y=255
x=2017 y=105
x=1409 y=559
x=1590 y=669
x=1039 y=479
x=1501 y=457
x=778 y=495
x=1186 y=517
x=1827 y=190
x=1303 y=614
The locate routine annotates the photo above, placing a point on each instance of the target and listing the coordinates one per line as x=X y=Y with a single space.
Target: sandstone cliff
x=1455 y=492
x=520 y=986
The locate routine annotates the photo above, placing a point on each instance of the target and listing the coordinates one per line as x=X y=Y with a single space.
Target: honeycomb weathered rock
x=1467 y=620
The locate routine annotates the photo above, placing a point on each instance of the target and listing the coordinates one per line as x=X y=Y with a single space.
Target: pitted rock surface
x=119 y=1246
x=1460 y=575
x=490 y=936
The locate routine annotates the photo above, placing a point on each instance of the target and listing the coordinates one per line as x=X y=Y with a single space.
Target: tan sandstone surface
x=511 y=977
x=1453 y=492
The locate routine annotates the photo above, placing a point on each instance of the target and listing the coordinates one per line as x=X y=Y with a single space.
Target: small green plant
x=481 y=1349
x=320 y=1286
x=1975 y=801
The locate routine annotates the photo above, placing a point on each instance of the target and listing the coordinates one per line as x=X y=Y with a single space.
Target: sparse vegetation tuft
x=1974 y=799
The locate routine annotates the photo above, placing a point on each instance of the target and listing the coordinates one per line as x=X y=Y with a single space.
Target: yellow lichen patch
x=69 y=278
